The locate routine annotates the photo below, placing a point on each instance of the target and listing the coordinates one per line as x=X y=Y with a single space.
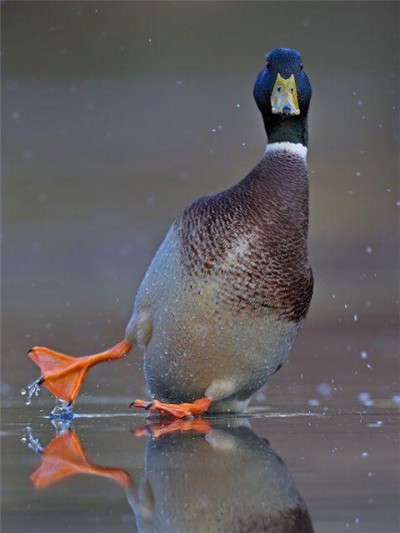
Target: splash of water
x=62 y=411
x=62 y=426
x=33 y=443
x=32 y=390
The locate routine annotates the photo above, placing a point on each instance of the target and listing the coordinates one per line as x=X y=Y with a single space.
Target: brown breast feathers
x=252 y=240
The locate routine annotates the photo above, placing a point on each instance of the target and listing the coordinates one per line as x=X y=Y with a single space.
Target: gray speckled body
x=222 y=300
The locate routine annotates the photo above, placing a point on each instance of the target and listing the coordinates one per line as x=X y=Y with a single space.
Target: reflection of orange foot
x=173 y=426
x=65 y=457
x=63 y=375
x=177 y=410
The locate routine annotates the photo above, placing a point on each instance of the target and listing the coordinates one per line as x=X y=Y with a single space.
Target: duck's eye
x=301 y=66
x=267 y=65
x=279 y=89
x=291 y=90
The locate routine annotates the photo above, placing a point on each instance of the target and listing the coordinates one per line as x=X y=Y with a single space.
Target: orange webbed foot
x=177 y=410
x=64 y=375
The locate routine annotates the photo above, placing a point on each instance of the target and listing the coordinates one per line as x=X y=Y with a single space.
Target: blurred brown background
x=117 y=114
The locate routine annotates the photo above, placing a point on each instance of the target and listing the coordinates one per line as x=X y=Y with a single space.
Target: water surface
x=342 y=463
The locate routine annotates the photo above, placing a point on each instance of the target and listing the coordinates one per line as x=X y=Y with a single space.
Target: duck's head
x=283 y=93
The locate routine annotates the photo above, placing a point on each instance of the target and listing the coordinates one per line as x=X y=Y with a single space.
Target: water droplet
x=358 y=173
x=32 y=390
x=313 y=402
x=396 y=399
x=364 y=355
x=355 y=318
x=377 y=424
x=364 y=396
x=368 y=249
x=238 y=106
x=324 y=389
x=33 y=443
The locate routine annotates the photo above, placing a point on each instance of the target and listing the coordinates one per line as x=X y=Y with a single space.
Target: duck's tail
x=64 y=375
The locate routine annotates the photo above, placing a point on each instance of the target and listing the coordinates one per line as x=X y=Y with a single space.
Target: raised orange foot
x=177 y=410
x=63 y=375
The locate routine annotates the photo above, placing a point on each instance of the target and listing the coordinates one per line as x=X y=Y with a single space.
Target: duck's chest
x=250 y=245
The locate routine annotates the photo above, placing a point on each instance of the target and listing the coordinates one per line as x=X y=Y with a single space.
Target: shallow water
x=343 y=462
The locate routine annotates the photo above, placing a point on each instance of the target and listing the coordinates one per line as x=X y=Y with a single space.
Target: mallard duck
x=227 y=291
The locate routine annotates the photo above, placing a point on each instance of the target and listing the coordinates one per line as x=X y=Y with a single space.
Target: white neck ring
x=294 y=148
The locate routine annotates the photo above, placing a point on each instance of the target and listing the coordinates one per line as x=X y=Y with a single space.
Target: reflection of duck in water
x=227 y=291
x=64 y=457
x=226 y=480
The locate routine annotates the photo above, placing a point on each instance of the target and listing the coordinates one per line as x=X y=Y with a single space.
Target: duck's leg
x=63 y=375
x=217 y=390
x=177 y=410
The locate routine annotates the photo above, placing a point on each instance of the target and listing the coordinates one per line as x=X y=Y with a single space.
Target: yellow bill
x=284 y=96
